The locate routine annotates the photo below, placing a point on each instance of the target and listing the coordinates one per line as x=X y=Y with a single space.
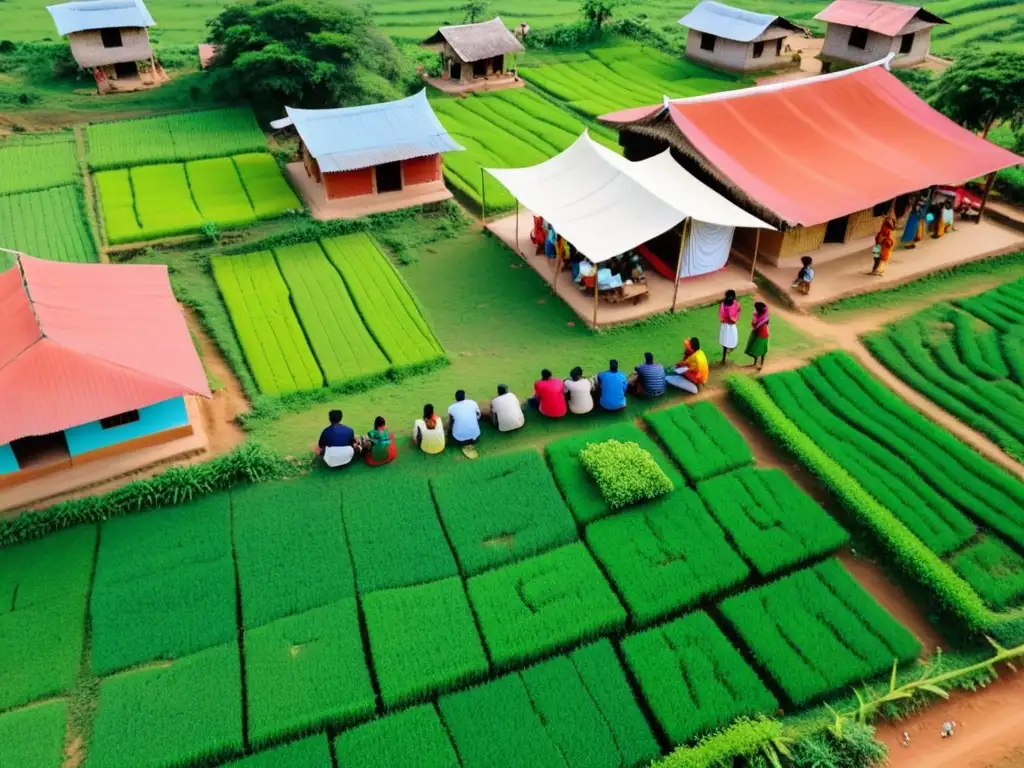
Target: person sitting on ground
x=612 y=385
x=464 y=422
x=548 y=396
x=692 y=370
x=428 y=432
x=337 y=445
x=578 y=392
x=506 y=412
x=648 y=379
x=802 y=284
x=382 y=449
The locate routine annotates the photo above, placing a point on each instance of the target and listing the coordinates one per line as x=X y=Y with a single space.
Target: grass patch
x=56 y=567
x=624 y=472
x=311 y=752
x=500 y=510
x=413 y=738
x=34 y=737
x=182 y=713
x=544 y=604
x=666 y=556
x=994 y=569
x=423 y=640
x=305 y=672
x=701 y=439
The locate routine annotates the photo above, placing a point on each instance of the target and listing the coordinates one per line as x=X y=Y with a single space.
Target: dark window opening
x=778 y=47
x=389 y=177
x=707 y=42
x=40 y=450
x=758 y=50
x=498 y=65
x=835 y=230
x=128 y=417
x=902 y=203
x=881 y=208
x=111 y=38
x=907 y=43
x=858 y=38
x=126 y=69
x=456 y=70
x=480 y=68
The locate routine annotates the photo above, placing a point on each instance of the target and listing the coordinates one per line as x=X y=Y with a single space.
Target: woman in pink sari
x=757 y=344
x=728 y=313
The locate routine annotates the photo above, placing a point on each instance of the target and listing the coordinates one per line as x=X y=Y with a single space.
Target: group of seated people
x=610 y=276
x=552 y=397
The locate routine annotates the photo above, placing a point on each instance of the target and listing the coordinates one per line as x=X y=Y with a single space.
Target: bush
x=423 y=641
x=412 y=738
x=312 y=752
x=848 y=637
x=701 y=440
x=541 y=605
x=34 y=736
x=305 y=672
x=692 y=678
x=183 y=713
x=625 y=472
x=994 y=569
x=665 y=556
x=579 y=489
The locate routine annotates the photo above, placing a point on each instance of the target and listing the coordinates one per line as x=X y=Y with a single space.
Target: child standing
x=802 y=284
x=728 y=313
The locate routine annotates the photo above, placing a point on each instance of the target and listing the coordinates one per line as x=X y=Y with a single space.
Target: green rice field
x=48 y=224
x=40 y=162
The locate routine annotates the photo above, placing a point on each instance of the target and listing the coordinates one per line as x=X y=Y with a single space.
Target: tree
x=474 y=11
x=981 y=89
x=281 y=52
x=597 y=12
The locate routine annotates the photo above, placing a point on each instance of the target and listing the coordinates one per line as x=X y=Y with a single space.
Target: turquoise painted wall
x=152 y=419
x=7 y=461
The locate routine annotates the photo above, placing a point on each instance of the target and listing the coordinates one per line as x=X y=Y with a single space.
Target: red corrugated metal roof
x=815 y=149
x=85 y=341
x=883 y=18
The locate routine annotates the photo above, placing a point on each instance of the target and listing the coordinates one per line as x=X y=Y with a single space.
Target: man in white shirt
x=580 y=392
x=506 y=412
x=464 y=419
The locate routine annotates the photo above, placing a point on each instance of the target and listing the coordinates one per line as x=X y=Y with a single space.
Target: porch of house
x=353 y=207
x=55 y=475
x=842 y=269
x=693 y=292
x=477 y=85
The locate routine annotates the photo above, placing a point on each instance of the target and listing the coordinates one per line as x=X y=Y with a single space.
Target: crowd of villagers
x=626 y=269
x=553 y=397
x=928 y=215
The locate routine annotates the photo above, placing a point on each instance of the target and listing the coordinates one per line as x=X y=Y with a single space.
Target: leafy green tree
x=597 y=12
x=282 y=52
x=474 y=11
x=981 y=89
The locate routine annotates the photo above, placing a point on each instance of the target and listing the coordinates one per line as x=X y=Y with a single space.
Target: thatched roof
x=475 y=42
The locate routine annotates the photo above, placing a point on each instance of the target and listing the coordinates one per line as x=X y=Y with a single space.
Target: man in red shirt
x=549 y=395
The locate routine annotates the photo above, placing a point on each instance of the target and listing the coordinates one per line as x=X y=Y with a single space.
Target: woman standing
x=757 y=344
x=728 y=313
x=428 y=432
x=382 y=448
x=913 y=231
x=884 y=243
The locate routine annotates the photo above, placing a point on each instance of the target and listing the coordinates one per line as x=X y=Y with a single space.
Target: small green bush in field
x=624 y=472
x=412 y=738
x=34 y=736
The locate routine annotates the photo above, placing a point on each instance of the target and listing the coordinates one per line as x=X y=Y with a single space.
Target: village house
x=368 y=159
x=99 y=361
x=737 y=40
x=111 y=39
x=862 y=31
x=475 y=57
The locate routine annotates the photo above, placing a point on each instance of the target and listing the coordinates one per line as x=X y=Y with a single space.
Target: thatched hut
x=474 y=53
x=862 y=31
x=733 y=39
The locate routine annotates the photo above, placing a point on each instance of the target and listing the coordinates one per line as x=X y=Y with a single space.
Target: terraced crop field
x=484 y=625
x=48 y=224
x=40 y=162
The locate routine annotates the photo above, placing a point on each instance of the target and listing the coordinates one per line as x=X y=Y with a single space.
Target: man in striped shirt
x=648 y=379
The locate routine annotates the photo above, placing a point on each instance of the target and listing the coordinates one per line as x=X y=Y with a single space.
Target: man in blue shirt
x=337 y=442
x=649 y=379
x=612 y=384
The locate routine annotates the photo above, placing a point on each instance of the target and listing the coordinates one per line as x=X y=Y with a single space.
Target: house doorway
x=456 y=70
x=835 y=230
x=41 y=451
x=126 y=69
x=480 y=68
x=389 y=177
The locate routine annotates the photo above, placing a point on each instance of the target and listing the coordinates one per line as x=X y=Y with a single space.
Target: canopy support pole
x=483 y=199
x=757 y=245
x=989 y=180
x=518 y=248
x=679 y=266
x=595 y=295
x=558 y=271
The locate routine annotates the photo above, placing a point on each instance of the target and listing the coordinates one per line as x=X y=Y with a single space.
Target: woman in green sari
x=382 y=447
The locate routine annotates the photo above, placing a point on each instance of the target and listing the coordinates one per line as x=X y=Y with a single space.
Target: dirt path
x=989 y=730
x=228 y=400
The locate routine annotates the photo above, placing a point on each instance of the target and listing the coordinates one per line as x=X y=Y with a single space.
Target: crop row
x=49 y=224
x=701 y=440
x=174 y=138
x=26 y=167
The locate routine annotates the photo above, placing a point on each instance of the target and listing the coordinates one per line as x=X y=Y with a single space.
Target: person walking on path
x=728 y=314
x=757 y=344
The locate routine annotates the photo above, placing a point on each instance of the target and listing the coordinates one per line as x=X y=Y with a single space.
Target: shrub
x=412 y=738
x=305 y=672
x=848 y=635
x=666 y=556
x=994 y=569
x=499 y=510
x=410 y=549
x=423 y=641
x=311 y=752
x=692 y=678
x=770 y=520
x=290 y=549
x=745 y=737
x=34 y=736
x=181 y=713
x=541 y=605
x=625 y=472
x=578 y=487
x=700 y=439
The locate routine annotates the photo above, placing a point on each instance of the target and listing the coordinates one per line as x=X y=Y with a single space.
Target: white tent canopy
x=605 y=205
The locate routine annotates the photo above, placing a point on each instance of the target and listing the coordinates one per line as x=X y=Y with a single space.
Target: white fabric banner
x=707 y=249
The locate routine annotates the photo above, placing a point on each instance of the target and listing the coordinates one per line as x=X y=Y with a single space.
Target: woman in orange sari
x=884 y=243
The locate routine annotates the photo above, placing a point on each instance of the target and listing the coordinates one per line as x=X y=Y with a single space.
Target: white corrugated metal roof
x=358 y=137
x=731 y=23
x=99 y=14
